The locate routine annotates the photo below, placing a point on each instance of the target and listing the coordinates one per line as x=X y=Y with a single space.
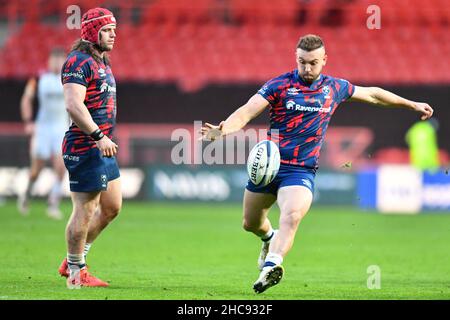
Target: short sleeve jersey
x=300 y=114
x=100 y=100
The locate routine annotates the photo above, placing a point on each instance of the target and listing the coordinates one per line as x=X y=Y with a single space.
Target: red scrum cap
x=93 y=21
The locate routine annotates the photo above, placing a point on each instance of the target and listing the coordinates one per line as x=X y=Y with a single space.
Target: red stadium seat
x=172 y=43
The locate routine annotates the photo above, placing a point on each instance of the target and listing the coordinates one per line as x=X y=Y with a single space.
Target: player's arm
x=384 y=98
x=74 y=95
x=238 y=119
x=26 y=105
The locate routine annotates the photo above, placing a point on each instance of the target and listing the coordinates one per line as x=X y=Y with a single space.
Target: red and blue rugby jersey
x=301 y=114
x=100 y=100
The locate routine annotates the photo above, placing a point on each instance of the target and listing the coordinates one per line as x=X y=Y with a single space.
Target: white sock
x=268 y=236
x=55 y=194
x=273 y=259
x=87 y=247
x=75 y=261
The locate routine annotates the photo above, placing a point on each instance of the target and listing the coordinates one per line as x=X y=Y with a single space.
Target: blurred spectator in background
x=423 y=145
x=47 y=131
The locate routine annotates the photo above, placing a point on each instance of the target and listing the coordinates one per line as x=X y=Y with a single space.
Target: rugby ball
x=263 y=163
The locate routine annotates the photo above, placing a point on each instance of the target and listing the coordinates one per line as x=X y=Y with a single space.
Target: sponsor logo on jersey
x=78 y=75
x=291 y=105
x=106 y=87
x=326 y=92
x=102 y=73
x=71 y=158
x=293 y=91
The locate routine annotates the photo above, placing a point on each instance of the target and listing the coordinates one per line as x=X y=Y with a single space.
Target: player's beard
x=310 y=78
x=103 y=47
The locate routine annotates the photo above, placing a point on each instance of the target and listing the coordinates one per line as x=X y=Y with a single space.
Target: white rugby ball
x=263 y=163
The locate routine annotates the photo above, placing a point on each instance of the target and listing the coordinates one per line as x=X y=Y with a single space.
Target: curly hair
x=92 y=49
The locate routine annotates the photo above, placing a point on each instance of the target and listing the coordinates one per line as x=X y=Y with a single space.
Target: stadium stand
x=242 y=40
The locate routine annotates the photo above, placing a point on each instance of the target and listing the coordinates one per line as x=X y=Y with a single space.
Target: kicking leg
x=294 y=203
x=256 y=209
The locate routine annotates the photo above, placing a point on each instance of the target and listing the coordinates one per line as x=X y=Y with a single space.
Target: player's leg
x=103 y=175
x=294 y=202
x=84 y=207
x=55 y=195
x=108 y=209
x=36 y=167
x=256 y=208
x=39 y=154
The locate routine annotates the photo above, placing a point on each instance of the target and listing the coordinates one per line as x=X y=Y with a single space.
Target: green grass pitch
x=199 y=251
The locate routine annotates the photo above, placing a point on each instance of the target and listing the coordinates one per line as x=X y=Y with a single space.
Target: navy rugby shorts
x=288 y=175
x=90 y=172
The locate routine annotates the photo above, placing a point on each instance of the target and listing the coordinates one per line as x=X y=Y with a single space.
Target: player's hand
x=424 y=109
x=29 y=128
x=107 y=147
x=210 y=132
